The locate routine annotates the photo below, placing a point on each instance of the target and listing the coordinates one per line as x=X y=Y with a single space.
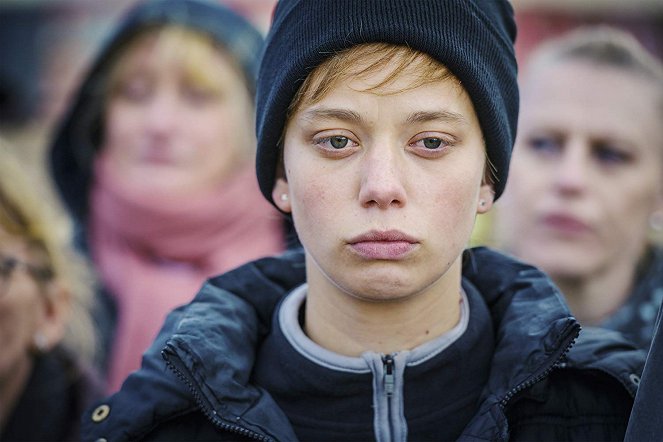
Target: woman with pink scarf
x=155 y=162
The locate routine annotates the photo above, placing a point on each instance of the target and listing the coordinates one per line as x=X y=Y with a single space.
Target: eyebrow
x=441 y=115
x=354 y=117
x=326 y=113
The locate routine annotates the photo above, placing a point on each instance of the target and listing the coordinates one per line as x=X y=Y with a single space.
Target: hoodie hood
x=79 y=134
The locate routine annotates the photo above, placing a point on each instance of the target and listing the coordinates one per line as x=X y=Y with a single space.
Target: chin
x=565 y=263
x=383 y=297
x=383 y=289
x=168 y=185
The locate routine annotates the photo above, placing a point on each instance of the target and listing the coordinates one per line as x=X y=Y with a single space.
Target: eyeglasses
x=8 y=264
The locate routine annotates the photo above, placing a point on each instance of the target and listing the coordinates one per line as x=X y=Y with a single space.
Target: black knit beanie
x=472 y=38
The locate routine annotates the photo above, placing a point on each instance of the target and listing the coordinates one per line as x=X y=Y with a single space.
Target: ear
x=281 y=195
x=55 y=314
x=486 y=198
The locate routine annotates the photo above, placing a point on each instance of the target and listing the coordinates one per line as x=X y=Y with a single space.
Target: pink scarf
x=154 y=252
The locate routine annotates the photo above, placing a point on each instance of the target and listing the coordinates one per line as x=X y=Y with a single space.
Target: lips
x=157 y=153
x=566 y=224
x=383 y=245
x=156 y=157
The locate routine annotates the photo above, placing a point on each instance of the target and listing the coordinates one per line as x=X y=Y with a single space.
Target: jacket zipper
x=204 y=405
x=388 y=382
x=388 y=361
x=557 y=362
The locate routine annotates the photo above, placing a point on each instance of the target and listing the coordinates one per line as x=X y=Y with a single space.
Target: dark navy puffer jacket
x=546 y=383
x=645 y=421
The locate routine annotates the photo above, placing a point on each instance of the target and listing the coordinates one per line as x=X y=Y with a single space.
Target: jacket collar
x=232 y=312
x=533 y=331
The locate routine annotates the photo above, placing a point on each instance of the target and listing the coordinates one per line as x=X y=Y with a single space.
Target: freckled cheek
x=450 y=205
x=313 y=209
x=455 y=204
x=310 y=199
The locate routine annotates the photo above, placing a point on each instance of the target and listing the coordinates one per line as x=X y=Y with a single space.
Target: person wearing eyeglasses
x=45 y=331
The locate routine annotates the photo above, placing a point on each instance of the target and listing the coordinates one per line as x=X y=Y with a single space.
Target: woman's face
x=179 y=117
x=384 y=187
x=587 y=170
x=22 y=309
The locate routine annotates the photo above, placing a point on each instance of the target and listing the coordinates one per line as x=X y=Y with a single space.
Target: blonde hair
x=351 y=62
x=27 y=214
x=190 y=48
x=602 y=46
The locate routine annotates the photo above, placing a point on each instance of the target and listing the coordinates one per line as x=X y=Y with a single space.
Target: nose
x=382 y=184
x=572 y=172
x=162 y=114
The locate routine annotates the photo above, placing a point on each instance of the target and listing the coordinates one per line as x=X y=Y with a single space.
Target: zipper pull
x=388 y=361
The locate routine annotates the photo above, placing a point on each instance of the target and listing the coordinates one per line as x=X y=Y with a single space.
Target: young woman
x=46 y=380
x=586 y=180
x=382 y=327
x=155 y=162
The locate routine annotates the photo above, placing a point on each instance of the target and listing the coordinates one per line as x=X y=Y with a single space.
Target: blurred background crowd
x=46 y=45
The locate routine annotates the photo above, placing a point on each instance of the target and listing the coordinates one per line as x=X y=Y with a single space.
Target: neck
x=351 y=326
x=12 y=385
x=594 y=298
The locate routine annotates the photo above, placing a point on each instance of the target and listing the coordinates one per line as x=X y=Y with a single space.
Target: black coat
x=636 y=317
x=546 y=383
x=50 y=406
x=645 y=423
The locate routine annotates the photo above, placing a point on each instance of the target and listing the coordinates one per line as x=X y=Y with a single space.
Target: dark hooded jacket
x=545 y=382
x=645 y=421
x=50 y=406
x=636 y=318
x=79 y=136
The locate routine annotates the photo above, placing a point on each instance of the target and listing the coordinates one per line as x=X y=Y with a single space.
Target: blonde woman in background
x=586 y=181
x=155 y=163
x=45 y=330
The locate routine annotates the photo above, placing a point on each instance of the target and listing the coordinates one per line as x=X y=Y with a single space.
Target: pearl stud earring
x=40 y=342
